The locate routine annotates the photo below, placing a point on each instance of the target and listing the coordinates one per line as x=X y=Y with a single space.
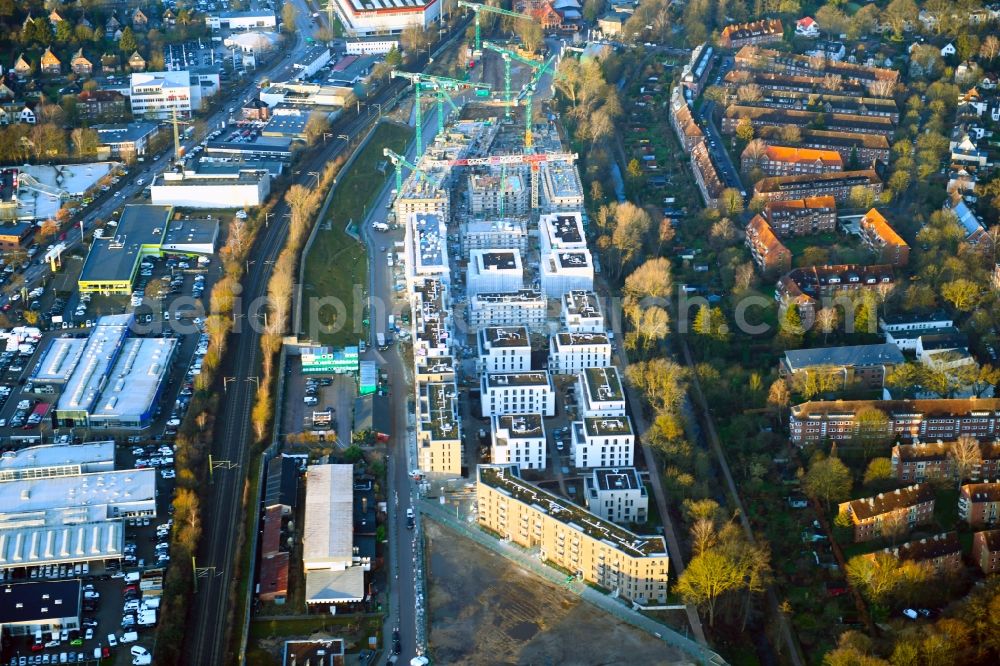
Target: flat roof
x=59 y=360
x=430 y=242
x=563 y=229
x=617 y=478
x=80 y=542
x=41 y=602
x=186 y=235
x=112 y=259
x=335 y=587
x=850 y=356
x=124 y=132
x=595 y=426
x=566 y=339
x=573 y=260
x=135 y=380
x=86 y=491
x=582 y=303
x=327 y=536
x=517 y=426
x=603 y=384
x=504 y=379
x=506 y=479
x=87 y=380
x=496 y=260
x=439 y=410
x=521 y=296
x=14 y=464
x=504 y=336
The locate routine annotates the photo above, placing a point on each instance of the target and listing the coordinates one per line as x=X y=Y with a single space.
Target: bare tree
x=881 y=88
x=749 y=92
x=755 y=152
x=990 y=48
x=964 y=454
x=827 y=318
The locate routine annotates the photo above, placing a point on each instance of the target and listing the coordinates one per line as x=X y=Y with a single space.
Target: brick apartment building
x=102 y=105
x=942 y=551
x=764 y=31
x=770 y=255
x=979 y=503
x=986 y=551
x=838 y=185
x=705 y=175
x=805 y=286
x=688 y=132
x=883 y=240
x=801 y=217
x=901 y=509
x=755 y=58
x=933 y=460
x=944 y=419
x=765 y=117
x=789 y=161
x=856 y=149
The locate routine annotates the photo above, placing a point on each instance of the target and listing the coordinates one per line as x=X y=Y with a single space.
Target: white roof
x=329 y=520
x=14 y=464
x=95 y=494
x=64 y=543
x=88 y=377
x=332 y=587
x=59 y=360
x=135 y=379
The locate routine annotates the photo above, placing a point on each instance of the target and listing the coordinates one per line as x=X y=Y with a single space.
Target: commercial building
x=764 y=31
x=329 y=361
x=801 y=217
x=571 y=353
x=57 y=460
x=581 y=312
x=599 y=392
x=439 y=432
x=561 y=188
x=242 y=20
x=497 y=194
x=518 y=439
x=617 y=494
x=26 y=608
x=890 y=513
x=517 y=393
x=211 y=184
x=327 y=537
x=926 y=420
x=979 y=503
x=599 y=441
x=426 y=247
x=785 y=161
x=363 y=18
x=883 y=240
x=126 y=141
x=602 y=553
x=15 y=235
x=143 y=230
x=371 y=45
x=769 y=254
x=986 y=551
x=561 y=231
x=567 y=270
x=506 y=234
x=838 y=185
x=281 y=486
x=504 y=349
x=160 y=94
x=858 y=365
x=494 y=271
x=525 y=307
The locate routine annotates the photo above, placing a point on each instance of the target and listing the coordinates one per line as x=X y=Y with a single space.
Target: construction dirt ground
x=485 y=609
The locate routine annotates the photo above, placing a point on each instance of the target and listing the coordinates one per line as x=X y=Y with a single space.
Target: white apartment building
x=508 y=234
x=523 y=307
x=567 y=270
x=617 y=494
x=386 y=17
x=518 y=439
x=504 y=349
x=570 y=353
x=561 y=186
x=499 y=194
x=517 y=393
x=159 y=94
x=599 y=392
x=602 y=442
x=582 y=312
x=494 y=271
x=426 y=246
x=561 y=231
x=431 y=323
x=439 y=435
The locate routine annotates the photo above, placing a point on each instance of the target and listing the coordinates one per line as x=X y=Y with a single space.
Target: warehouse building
x=29 y=607
x=79 y=498
x=57 y=460
x=362 y=18
x=212 y=185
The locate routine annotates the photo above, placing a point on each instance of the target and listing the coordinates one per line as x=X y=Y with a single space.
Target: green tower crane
x=398 y=161
x=477 y=8
x=529 y=93
x=422 y=82
x=508 y=56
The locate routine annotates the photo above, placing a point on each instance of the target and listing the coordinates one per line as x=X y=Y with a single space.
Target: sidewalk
x=444 y=516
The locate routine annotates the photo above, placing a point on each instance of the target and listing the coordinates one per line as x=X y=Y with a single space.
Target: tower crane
x=529 y=93
x=423 y=82
x=478 y=8
x=508 y=56
x=534 y=161
x=399 y=162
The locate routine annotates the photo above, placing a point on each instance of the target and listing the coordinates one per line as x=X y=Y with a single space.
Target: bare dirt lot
x=486 y=610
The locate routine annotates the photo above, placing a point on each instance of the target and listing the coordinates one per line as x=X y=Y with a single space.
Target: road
x=206 y=639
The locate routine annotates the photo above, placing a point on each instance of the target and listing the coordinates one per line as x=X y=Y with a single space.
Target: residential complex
x=570 y=353
x=582 y=312
x=769 y=254
x=525 y=307
x=518 y=439
x=784 y=161
x=617 y=495
x=599 y=441
x=837 y=184
x=600 y=552
x=883 y=240
x=890 y=513
x=504 y=349
x=801 y=217
x=517 y=393
x=979 y=503
x=936 y=460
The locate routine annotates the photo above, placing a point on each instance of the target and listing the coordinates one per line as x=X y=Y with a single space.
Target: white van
x=129 y=637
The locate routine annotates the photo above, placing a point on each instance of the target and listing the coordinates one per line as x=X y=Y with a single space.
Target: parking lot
x=305 y=396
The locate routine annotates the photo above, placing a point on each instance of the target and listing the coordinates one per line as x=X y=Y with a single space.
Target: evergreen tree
x=127 y=43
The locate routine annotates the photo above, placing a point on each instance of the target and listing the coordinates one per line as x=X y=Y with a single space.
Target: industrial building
x=144 y=230
x=629 y=565
x=363 y=18
x=518 y=439
x=242 y=20
x=206 y=184
x=126 y=141
x=160 y=94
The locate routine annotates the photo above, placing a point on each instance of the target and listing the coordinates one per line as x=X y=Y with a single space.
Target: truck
x=380 y=339
x=151 y=583
x=392 y=322
x=380 y=226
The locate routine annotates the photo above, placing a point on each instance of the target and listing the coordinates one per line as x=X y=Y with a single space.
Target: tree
x=663 y=382
x=47 y=231
x=64 y=32
x=875 y=575
x=634 y=169
x=828 y=480
x=900 y=14
x=531 y=36
x=755 y=152
x=749 y=92
x=779 y=396
x=85 y=141
x=316 y=126
x=965 y=454
x=963 y=293
x=790 y=134
x=707 y=577
x=871 y=428
x=827 y=319
x=990 y=48
x=966 y=46
x=651 y=279
x=127 y=43
x=731 y=201
x=289 y=15
x=744 y=130
x=724 y=231
x=879 y=472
